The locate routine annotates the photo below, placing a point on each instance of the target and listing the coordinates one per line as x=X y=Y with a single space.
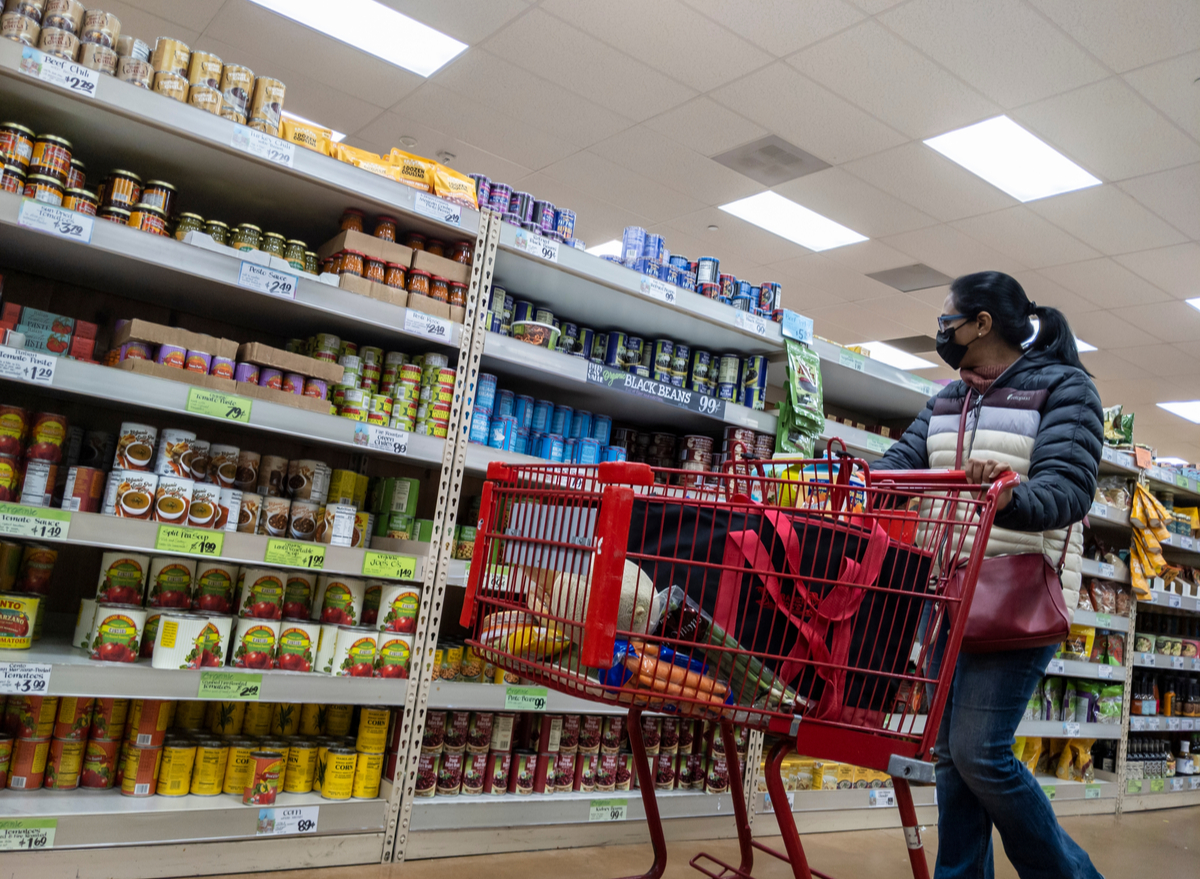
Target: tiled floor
x=1156 y=845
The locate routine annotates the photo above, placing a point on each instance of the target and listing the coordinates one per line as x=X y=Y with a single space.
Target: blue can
x=614 y=453
x=568 y=455
x=543 y=410
x=523 y=410
x=769 y=297
x=506 y=316
x=599 y=347
x=504 y=403
x=520 y=443
x=587 y=451
x=480 y=424
x=742 y=289
x=701 y=367
x=644 y=266
x=727 y=391
x=729 y=285
x=679 y=362
x=687 y=279
x=632 y=242
x=744 y=303
x=501 y=432
x=611 y=257
x=564 y=222
x=601 y=429
x=483 y=189
x=633 y=352
x=677 y=380
x=485 y=392
x=681 y=262
x=581 y=424
x=583 y=345
x=661 y=375
x=523 y=309
x=560 y=422
x=551 y=448
x=754 y=382
x=640 y=371
x=653 y=247
x=670 y=274
x=499 y=197
x=577 y=243
x=708 y=270
x=664 y=354
x=614 y=350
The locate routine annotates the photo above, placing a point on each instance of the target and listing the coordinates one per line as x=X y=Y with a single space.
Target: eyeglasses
x=944 y=320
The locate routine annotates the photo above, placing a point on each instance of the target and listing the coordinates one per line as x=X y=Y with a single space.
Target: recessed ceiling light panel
x=782 y=216
x=1010 y=158
x=885 y=353
x=1189 y=409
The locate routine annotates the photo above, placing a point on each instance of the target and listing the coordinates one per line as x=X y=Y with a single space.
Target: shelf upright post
x=1126 y=704
x=454 y=465
x=750 y=773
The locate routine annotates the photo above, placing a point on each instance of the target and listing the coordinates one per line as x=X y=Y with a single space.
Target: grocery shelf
x=123 y=389
x=1116 y=462
x=74 y=674
x=861 y=384
x=1095 y=671
x=1156 y=787
x=1103 y=515
x=1105 y=571
x=858 y=442
x=1171 y=663
x=1163 y=724
x=1109 y=621
x=1160 y=598
x=123 y=126
x=1057 y=729
x=491 y=697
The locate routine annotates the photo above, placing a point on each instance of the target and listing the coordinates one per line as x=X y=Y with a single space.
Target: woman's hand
x=985 y=473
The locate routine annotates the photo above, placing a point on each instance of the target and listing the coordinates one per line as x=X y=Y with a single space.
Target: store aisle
x=1168 y=839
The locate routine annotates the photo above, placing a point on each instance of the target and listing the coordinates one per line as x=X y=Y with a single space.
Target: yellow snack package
x=376 y=164
x=311 y=137
x=453 y=186
x=412 y=170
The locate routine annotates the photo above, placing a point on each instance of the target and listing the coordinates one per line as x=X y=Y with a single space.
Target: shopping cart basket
x=675 y=592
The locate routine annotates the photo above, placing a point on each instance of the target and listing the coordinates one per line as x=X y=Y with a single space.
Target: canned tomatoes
x=18 y=614
x=99 y=768
x=139 y=771
x=63 y=765
x=262 y=778
x=30 y=717
x=108 y=720
x=74 y=718
x=27 y=767
x=6 y=749
x=148 y=722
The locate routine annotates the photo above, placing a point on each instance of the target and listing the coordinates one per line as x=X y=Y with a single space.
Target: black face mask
x=948 y=349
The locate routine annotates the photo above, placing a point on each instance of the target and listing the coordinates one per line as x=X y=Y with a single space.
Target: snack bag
x=368 y=161
x=311 y=137
x=802 y=412
x=413 y=170
x=453 y=186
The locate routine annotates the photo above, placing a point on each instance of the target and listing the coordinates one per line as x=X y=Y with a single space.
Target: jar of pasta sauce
x=418 y=282
x=439 y=288
x=122 y=189
x=77 y=175
x=40 y=187
x=394 y=275
x=374 y=270
x=114 y=215
x=12 y=178
x=352 y=263
x=80 y=200
x=160 y=194
x=148 y=218
x=51 y=157
x=385 y=228
x=352 y=220
x=16 y=144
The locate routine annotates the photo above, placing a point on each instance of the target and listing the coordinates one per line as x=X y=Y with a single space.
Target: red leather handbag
x=1018 y=600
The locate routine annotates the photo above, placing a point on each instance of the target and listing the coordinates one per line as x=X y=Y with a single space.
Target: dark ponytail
x=1004 y=299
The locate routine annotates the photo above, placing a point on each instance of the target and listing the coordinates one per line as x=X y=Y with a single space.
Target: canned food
x=101 y=28
x=59 y=42
x=18 y=617
x=97 y=57
x=12 y=178
x=262 y=778
x=204 y=69
x=27 y=766
x=98 y=770
x=262 y=594
x=254 y=643
x=139 y=772
x=171 y=85
x=266 y=105
x=297 y=648
x=135 y=71
x=238 y=766
x=175 y=769
x=338 y=780
x=116 y=636
x=237 y=82
x=74 y=718
x=171 y=56
x=30 y=717
x=20 y=28
x=368 y=772
x=148 y=722
x=108 y=720
x=42 y=188
x=301 y=767
x=208 y=772
x=66 y=14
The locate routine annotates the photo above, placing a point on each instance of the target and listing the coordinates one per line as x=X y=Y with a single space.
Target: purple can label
x=136 y=351
x=270 y=378
x=293 y=383
x=483 y=189
x=222 y=367
x=198 y=361
x=171 y=355
x=316 y=388
x=246 y=372
x=499 y=197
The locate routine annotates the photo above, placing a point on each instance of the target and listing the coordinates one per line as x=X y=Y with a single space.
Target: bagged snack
x=1087 y=694
x=453 y=186
x=1078 y=645
x=1124 y=601
x=1108 y=706
x=1033 y=708
x=1075 y=762
x=1099 y=644
x=1070 y=700
x=1085 y=599
x=1053 y=698
x=311 y=137
x=1031 y=753
x=1114 y=649
x=1104 y=596
x=368 y=161
x=412 y=170
x=1048 y=760
x=1118 y=427
x=802 y=411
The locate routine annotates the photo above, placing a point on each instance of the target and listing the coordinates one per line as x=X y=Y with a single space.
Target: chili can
x=171 y=56
x=135 y=71
x=27 y=767
x=262 y=778
x=208 y=771
x=175 y=769
x=337 y=783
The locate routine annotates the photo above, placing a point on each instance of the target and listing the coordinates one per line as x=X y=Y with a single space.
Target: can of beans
x=139 y=772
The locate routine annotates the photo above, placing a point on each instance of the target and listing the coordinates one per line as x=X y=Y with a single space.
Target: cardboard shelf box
x=138 y=330
x=175 y=374
x=283 y=398
x=286 y=361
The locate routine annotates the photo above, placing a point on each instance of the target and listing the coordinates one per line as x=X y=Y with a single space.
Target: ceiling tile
x=734 y=241
x=951 y=251
x=780 y=26
x=194 y=15
x=1025 y=236
x=874 y=7
x=817 y=270
x=1174 y=269
x=596 y=220
x=705 y=126
x=934 y=297
x=1109 y=130
x=549 y=47
x=1174 y=195
x=1001 y=47
x=930 y=182
x=866 y=321
x=869 y=256
x=1159 y=360
x=806 y=114
x=698 y=52
x=1044 y=291
x=1105 y=284
x=1171 y=321
x=704 y=243
x=873 y=68
x=848 y=200
x=1105 y=330
x=467 y=20
x=602 y=179
x=1108 y=219
x=1170 y=86
x=908 y=311
x=1125 y=35
x=1106 y=368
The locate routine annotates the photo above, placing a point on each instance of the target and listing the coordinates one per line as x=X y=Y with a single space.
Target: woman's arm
x=909 y=452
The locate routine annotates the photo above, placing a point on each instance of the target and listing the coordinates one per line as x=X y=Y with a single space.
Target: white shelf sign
x=73 y=77
x=797 y=326
x=1100 y=511
x=751 y=323
x=1091 y=792
x=270 y=281
x=296 y=819
x=1173 y=724
x=1070 y=730
x=24 y=678
x=607 y=810
x=1148 y=660
x=1108 y=570
x=1187 y=724
x=378 y=438
x=1137 y=724
x=660 y=290
x=29 y=834
x=437 y=209
x=850 y=360
x=1174 y=600
x=1056 y=667
x=56 y=221
x=1186 y=542
x=1104 y=672
x=430 y=326
x=791 y=800
x=537 y=245
x=1177 y=662
x=256 y=143
x=881 y=799
x=26 y=366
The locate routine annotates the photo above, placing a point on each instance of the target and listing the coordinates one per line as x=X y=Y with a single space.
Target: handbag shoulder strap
x=962 y=429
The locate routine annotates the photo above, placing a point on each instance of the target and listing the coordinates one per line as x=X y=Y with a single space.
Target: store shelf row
x=1163 y=724
x=1176 y=784
x=1117 y=462
x=1102 y=515
x=1169 y=663
x=73 y=673
x=1094 y=671
x=1105 y=571
x=1161 y=598
x=1109 y=621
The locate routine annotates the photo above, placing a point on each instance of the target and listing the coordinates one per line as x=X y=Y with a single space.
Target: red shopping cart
x=801 y=611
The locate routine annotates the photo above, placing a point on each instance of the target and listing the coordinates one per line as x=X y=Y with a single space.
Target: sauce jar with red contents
x=434 y=247
x=351 y=263
x=352 y=220
x=148 y=218
x=439 y=288
x=458 y=294
x=12 y=178
x=385 y=228
x=51 y=157
x=374 y=270
x=394 y=275
x=122 y=189
x=463 y=252
x=40 y=187
x=418 y=282
x=414 y=241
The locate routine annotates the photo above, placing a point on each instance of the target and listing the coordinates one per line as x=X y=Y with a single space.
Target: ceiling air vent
x=913 y=344
x=771 y=160
x=909 y=278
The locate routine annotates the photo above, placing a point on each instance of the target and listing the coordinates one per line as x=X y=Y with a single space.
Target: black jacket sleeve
x=1065 y=460
x=909 y=452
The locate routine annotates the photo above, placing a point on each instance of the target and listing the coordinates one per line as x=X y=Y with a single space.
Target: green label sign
x=1133 y=786
x=607 y=810
x=294 y=554
x=878 y=443
x=1103 y=620
x=190 y=541
x=230 y=686
x=1049 y=790
x=44 y=524
x=851 y=360
x=1181 y=481
x=1158 y=785
x=1091 y=792
x=525 y=699
x=389 y=566
x=217 y=405
x=27 y=833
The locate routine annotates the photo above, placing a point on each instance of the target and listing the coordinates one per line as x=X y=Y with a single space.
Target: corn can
x=312 y=718
x=372 y=730
x=338 y=780
x=189 y=713
x=262 y=779
x=285 y=719
x=301 y=768
x=368 y=770
x=337 y=720
x=175 y=769
x=228 y=719
x=208 y=771
x=257 y=719
x=238 y=767
x=139 y=773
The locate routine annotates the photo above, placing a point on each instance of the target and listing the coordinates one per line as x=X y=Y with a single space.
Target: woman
x=1034 y=410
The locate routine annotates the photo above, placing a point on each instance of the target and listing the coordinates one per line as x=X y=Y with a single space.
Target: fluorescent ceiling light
x=338 y=136
x=893 y=356
x=1080 y=345
x=374 y=28
x=1178 y=462
x=1189 y=409
x=782 y=216
x=1083 y=346
x=1010 y=158
x=1194 y=303
x=608 y=248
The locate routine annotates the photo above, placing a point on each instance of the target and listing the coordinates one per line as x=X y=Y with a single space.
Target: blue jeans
x=980 y=783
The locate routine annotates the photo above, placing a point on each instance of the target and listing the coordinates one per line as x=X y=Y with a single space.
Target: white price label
x=1108 y=570
x=852 y=361
x=607 y=810
x=27 y=366
x=1186 y=542
x=660 y=290
x=24 y=678
x=1177 y=662
x=791 y=800
x=1137 y=724
x=1176 y=783
x=881 y=799
x=269 y=281
x=1174 y=600
x=1091 y=792
x=382 y=439
x=296 y=819
x=1173 y=724
x=431 y=327
x=1147 y=660
x=75 y=78
x=537 y=245
x=1152 y=724
x=1194 y=783
x=437 y=209
x=17 y=834
x=256 y=143
x=751 y=323
x=1187 y=724
x=1070 y=730
x=52 y=220
x=1104 y=672
x=1056 y=667
x=1100 y=511
x=1196 y=664
x=1108 y=454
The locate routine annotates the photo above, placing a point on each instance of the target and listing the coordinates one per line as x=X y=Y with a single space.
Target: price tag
x=73 y=77
x=660 y=290
x=218 y=405
x=1186 y=542
x=536 y=245
x=1177 y=784
x=1181 y=481
x=1050 y=790
x=1133 y=786
x=265 y=280
x=1108 y=454
x=42 y=523
x=607 y=810
x=681 y=398
x=797 y=326
x=430 y=326
x=1173 y=724
x=230 y=686
x=1147 y=660
x=791 y=800
x=26 y=366
x=256 y=143
x=1104 y=672
x=1137 y=724
x=389 y=566
x=1187 y=724
x=56 y=221
x=851 y=360
x=1108 y=570
x=1056 y=667
x=1177 y=662
x=17 y=834
x=1100 y=511
x=1104 y=620
x=294 y=554
x=525 y=699
x=1091 y=792
x=19 y=678
x=1070 y=730
x=1196 y=664
x=1153 y=599
x=296 y=819
x=437 y=209
x=1158 y=785
x=878 y=443
x=1194 y=783
x=1152 y=724
x=1174 y=600
x=751 y=323
x=883 y=798
x=191 y=541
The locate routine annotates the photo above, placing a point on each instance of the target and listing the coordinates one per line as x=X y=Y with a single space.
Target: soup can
x=262 y=594
x=266 y=104
x=135 y=446
x=205 y=505
x=204 y=69
x=135 y=71
x=262 y=778
x=171 y=56
x=98 y=770
x=175 y=768
x=170 y=582
x=139 y=773
x=272 y=476
x=249 y=512
x=172 y=498
x=297 y=648
x=208 y=772
x=339 y=600
x=84 y=491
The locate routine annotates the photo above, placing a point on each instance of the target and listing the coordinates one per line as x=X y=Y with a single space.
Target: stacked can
x=435 y=396
x=695 y=455
x=752 y=391
x=406 y=392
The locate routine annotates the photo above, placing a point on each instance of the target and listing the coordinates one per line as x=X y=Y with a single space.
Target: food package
x=413 y=170
x=368 y=161
x=802 y=411
x=1075 y=761
x=453 y=186
x=521 y=634
x=1048 y=760
x=1110 y=703
x=1118 y=427
x=1104 y=597
x=311 y=137
x=1085 y=599
x=1070 y=700
x=1078 y=645
x=1033 y=708
x=1087 y=695
x=1053 y=698
x=1031 y=751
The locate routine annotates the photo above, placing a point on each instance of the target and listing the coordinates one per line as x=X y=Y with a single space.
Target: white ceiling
x=613 y=108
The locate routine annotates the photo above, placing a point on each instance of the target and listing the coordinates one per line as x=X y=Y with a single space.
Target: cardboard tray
x=387 y=251
x=157 y=334
x=170 y=373
x=283 y=398
x=265 y=355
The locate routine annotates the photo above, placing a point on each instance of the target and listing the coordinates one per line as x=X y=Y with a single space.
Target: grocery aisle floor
x=1167 y=839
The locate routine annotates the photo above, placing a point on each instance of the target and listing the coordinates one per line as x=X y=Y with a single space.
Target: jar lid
x=383 y=219
x=354 y=252
x=147 y=208
x=463 y=244
x=198 y=217
x=458 y=284
x=117 y=172
x=311 y=253
x=77 y=163
x=17 y=127
x=159 y=184
x=250 y=226
x=274 y=235
x=438 y=278
x=375 y=259
x=419 y=272
x=416 y=235
x=42 y=178
x=216 y=223
x=297 y=241
x=115 y=211
x=54 y=138
x=16 y=165
x=82 y=193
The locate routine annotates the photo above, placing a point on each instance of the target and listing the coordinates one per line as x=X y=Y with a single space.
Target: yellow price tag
x=389 y=566
x=294 y=554
x=190 y=541
x=230 y=686
x=218 y=405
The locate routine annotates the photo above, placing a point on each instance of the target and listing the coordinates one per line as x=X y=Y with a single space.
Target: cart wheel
x=641 y=766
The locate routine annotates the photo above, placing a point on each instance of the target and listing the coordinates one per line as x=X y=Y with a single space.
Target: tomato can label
x=214 y=589
x=99 y=770
x=18 y=612
x=400 y=607
x=63 y=765
x=262 y=778
x=74 y=718
x=297 y=596
x=262 y=595
x=392 y=655
x=139 y=774
x=297 y=645
x=342 y=602
x=255 y=640
x=171 y=583
x=358 y=657
x=118 y=633
x=27 y=767
x=30 y=717
x=108 y=720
